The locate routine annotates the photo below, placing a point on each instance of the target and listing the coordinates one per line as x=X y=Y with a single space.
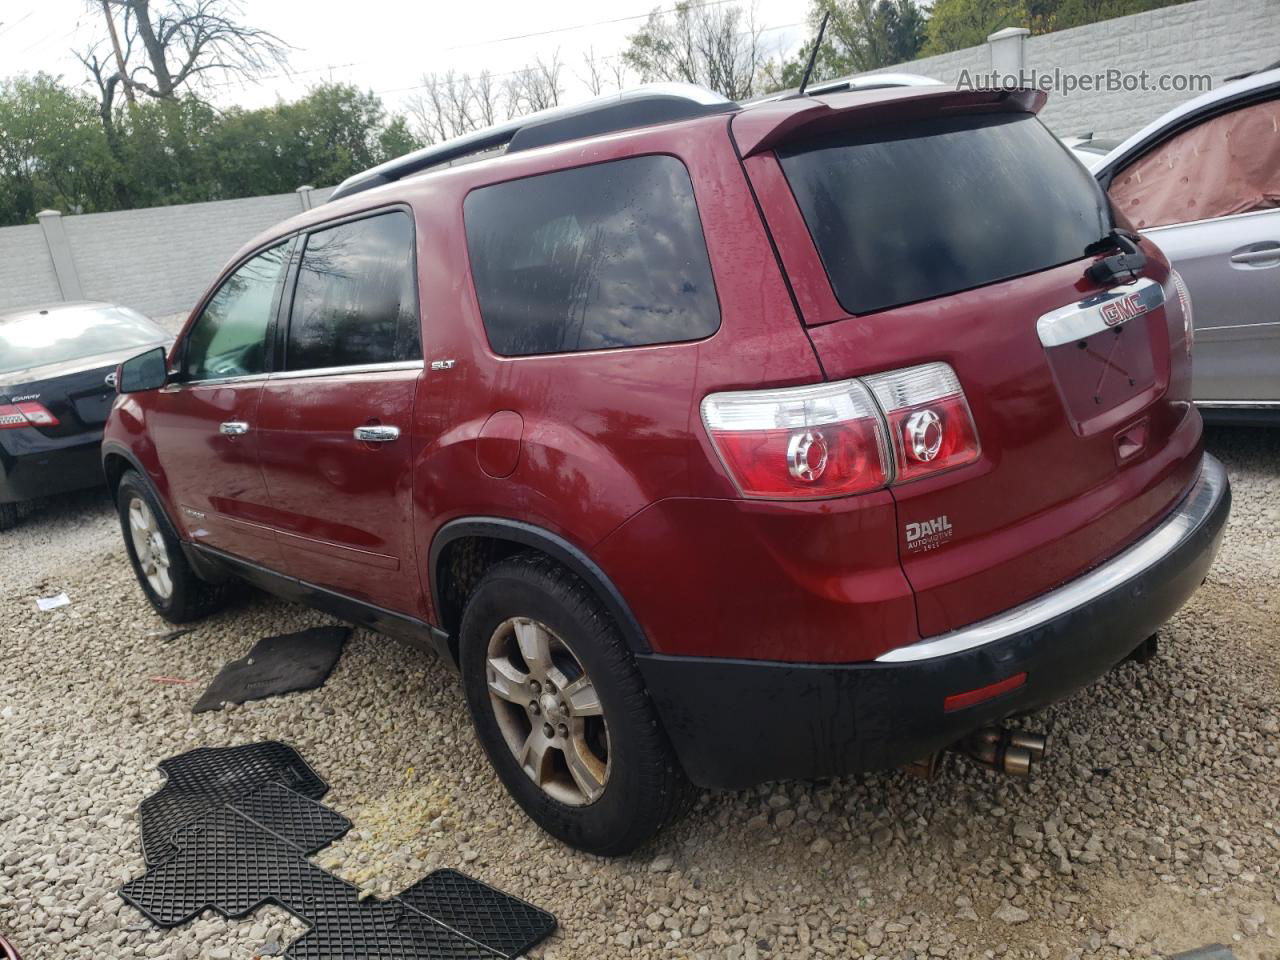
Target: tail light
x=26 y=414
x=799 y=442
x=928 y=417
x=835 y=439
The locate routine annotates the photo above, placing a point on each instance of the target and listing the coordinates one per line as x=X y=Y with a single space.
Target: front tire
x=171 y=586
x=562 y=712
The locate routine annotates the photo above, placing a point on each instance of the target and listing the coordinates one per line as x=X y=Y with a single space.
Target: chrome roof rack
x=639 y=106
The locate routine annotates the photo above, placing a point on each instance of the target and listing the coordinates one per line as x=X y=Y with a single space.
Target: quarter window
x=610 y=255
x=356 y=301
x=229 y=339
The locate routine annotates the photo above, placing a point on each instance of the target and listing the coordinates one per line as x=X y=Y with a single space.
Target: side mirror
x=146 y=371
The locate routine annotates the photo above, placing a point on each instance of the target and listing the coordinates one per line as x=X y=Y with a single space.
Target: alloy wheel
x=150 y=548
x=548 y=711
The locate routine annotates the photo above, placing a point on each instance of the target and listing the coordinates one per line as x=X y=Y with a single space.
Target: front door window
x=230 y=337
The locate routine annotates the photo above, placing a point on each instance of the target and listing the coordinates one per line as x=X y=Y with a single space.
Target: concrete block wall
x=26 y=270
x=1221 y=38
x=946 y=67
x=158 y=260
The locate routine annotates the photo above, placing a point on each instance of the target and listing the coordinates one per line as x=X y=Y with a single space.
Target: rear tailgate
x=957 y=233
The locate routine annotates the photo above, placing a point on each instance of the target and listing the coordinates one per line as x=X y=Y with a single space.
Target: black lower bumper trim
x=735 y=723
x=48 y=473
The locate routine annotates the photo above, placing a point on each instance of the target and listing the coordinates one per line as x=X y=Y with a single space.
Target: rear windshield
x=70 y=333
x=923 y=209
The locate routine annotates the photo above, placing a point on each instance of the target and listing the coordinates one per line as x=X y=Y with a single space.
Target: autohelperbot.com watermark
x=1067 y=82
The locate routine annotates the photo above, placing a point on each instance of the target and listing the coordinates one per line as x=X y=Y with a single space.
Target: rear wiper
x=1130 y=260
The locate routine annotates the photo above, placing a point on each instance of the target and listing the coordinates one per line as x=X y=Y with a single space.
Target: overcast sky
x=383 y=45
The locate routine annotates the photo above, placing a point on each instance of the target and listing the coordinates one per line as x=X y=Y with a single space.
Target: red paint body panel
x=498 y=447
x=217 y=493
x=342 y=507
x=1048 y=498
x=606 y=449
x=813 y=581
x=606 y=433
x=1042 y=504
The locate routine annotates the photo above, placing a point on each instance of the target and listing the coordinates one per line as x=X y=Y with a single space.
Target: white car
x=1090 y=150
x=1203 y=181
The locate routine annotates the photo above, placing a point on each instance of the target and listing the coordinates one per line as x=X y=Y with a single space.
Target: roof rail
x=638 y=106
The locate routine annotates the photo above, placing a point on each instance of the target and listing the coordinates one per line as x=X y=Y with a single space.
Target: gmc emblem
x=1126 y=308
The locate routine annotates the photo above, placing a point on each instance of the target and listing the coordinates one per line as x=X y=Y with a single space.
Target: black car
x=57 y=384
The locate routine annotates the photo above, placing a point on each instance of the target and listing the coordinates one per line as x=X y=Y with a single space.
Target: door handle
x=233 y=428
x=376 y=433
x=1269 y=253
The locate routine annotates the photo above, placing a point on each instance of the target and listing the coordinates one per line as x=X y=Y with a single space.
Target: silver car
x=1203 y=181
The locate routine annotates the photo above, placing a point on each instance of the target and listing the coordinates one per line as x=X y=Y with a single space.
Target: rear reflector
x=26 y=414
x=958 y=701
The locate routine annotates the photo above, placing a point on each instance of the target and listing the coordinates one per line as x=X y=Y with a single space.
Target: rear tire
x=572 y=734
x=8 y=516
x=170 y=584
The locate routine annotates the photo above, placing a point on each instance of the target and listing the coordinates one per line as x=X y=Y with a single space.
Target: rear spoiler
x=761 y=128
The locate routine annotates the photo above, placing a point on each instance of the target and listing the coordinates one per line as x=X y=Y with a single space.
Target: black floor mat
x=242 y=838
x=202 y=780
x=276 y=665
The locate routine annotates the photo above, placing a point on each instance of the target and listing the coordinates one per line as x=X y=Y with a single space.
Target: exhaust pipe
x=1003 y=750
x=926 y=768
x=1033 y=743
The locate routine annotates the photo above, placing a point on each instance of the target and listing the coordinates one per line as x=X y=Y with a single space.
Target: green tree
x=956 y=24
x=861 y=35
x=713 y=46
x=53 y=151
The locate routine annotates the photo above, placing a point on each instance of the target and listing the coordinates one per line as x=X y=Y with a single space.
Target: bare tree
x=535 y=87
x=108 y=63
x=602 y=74
x=716 y=46
x=187 y=43
x=451 y=105
x=594 y=78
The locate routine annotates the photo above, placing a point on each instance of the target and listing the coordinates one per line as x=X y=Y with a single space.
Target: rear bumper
x=40 y=469
x=735 y=723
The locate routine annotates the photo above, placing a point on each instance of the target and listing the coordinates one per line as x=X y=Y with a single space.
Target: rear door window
x=609 y=255
x=356 y=301
x=919 y=210
x=229 y=339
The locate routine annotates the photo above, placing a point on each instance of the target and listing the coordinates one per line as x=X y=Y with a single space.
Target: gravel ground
x=1152 y=827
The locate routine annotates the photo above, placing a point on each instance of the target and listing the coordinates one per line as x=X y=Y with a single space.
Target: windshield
x=70 y=333
x=920 y=210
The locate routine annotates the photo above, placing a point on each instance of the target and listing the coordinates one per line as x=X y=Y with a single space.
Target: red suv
x=712 y=444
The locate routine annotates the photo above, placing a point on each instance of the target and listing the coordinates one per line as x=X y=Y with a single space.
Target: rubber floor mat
x=276 y=665
x=203 y=779
x=251 y=848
